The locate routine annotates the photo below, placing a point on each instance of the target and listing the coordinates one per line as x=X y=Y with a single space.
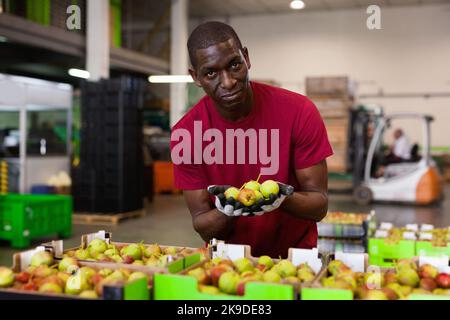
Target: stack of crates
x=345 y=232
x=334 y=97
x=109 y=178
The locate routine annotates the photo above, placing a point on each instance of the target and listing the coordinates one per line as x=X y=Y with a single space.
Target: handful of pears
x=252 y=196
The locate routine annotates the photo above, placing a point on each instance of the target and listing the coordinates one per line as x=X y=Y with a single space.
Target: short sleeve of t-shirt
x=311 y=139
x=188 y=176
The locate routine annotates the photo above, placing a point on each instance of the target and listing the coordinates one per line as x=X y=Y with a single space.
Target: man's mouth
x=231 y=96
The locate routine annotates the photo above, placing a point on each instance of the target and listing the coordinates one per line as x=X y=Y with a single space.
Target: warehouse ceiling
x=208 y=8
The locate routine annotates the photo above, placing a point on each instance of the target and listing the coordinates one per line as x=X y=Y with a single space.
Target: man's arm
x=207 y=221
x=311 y=201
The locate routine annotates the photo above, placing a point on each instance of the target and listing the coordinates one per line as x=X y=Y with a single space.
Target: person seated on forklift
x=399 y=152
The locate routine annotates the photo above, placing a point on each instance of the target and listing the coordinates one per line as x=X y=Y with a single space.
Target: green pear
x=41 y=258
x=267 y=261
x=243 y=264
x=6 y=277
x=137 y=275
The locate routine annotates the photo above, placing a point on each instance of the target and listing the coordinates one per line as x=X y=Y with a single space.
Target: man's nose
x=226 y=81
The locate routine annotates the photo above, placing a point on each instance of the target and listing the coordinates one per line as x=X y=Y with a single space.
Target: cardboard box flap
x=56 y=246
x=425 y=236
x=355 y=261
x=381 y=234
x=409 y=235
x=412 y=227
x=229 y=251
x=426 y=227
x=309 y=256
x=386 y=226
x=440 y=262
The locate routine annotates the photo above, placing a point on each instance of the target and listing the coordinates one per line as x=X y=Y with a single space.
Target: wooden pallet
x=105 y=219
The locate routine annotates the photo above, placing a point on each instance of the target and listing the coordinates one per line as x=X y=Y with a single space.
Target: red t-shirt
x=303 y=142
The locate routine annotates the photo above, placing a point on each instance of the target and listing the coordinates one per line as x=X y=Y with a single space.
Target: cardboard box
x=181 y=287
x=136 y=290
x=176 y=265
x=360 y=263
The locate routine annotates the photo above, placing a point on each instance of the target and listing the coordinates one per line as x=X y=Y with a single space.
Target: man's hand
x=206 y=219
x=231 y=207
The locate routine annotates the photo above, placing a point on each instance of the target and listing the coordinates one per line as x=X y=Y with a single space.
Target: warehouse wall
x=411 y=54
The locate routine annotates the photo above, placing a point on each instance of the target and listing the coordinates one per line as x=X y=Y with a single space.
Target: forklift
x=416 y=181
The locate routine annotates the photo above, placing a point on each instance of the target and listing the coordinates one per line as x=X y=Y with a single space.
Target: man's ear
x=193 y=74
x=246 y=57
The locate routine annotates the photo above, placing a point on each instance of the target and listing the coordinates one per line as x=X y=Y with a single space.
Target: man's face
x=222 y=71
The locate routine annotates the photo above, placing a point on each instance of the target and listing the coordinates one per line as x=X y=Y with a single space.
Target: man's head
x=220 y=65
x=398 y=133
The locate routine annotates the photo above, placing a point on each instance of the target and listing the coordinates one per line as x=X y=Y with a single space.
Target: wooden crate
x=329 y=86
x=338 y=161
x=338 y=131
x=332 y=107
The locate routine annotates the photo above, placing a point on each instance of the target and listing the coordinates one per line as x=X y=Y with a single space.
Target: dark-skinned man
x=295 y=136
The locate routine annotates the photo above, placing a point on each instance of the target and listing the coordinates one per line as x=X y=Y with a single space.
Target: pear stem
x=257 y=180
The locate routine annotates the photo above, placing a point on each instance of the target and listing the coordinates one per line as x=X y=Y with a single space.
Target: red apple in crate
x=428 y=271
x=23 y=277
x=443 y=280
x=428 y=284
x=240 y=291
x=216 y=272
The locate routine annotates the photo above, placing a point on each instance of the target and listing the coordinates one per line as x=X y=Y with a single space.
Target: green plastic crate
x=182 y=287
x=386 y=254
x=325 y=294
x=426 y=248
x=27 y=217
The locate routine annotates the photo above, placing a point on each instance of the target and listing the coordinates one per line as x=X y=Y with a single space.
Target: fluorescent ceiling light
x=297 y=4
x=170 y=79
x=79 y=73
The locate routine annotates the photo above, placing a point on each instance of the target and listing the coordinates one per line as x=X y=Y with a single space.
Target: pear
x=76 y=284
x=152 y=250
x=6 y=277
x=137 y=275
x=41 y=258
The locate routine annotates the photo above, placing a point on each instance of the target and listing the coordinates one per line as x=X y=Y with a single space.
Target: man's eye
x=210 y=74
x=236 y=65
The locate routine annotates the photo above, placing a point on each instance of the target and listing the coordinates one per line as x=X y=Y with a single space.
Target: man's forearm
x=213 y=224
x=308 y=205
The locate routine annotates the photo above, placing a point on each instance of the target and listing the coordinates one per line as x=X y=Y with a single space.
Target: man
x=399 y=152
x=297 y=139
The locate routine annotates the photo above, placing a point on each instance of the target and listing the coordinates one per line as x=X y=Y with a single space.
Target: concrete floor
x=168 y=222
